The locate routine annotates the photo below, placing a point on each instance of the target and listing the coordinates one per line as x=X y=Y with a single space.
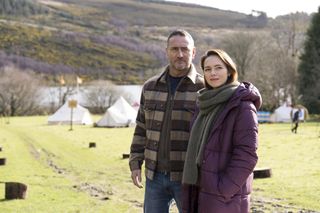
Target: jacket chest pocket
x=149 y=110
x=154 y=113
x=189 y=110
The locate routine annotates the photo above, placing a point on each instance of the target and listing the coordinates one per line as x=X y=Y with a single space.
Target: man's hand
x=136 y=178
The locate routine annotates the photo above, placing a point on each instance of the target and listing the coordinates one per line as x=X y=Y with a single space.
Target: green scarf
x=210 y=103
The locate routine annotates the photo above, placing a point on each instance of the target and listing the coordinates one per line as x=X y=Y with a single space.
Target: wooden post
x=2 y=161
x=71 y=119
x=14 y=190
x=72 y=104
x=124 y=156
x=262 y=173
x=92 y=145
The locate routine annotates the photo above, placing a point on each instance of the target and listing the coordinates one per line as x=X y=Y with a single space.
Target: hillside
x=119 y=40
x=21 y=8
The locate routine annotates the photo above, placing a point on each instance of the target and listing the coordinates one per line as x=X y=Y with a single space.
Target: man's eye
x=185 y=49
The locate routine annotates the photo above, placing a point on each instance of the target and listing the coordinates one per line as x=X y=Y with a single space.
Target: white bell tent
x=282 y=114
x=80 y=115
x=120 y=114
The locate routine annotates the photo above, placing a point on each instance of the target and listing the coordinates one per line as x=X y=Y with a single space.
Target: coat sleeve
x=244 y=155
x=190 y=194
x=139 y=139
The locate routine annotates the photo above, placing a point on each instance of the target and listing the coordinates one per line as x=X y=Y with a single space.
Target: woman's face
x=215 y=71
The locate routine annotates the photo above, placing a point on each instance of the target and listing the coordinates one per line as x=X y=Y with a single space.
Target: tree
x=289 y=32
x=19 y=92
x=241 y=47
x=101 y=95
x=274 y=75
x=262 y=61
x=309 y=67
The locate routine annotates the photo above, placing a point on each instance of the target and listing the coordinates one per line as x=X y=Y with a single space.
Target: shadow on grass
x=6 y=200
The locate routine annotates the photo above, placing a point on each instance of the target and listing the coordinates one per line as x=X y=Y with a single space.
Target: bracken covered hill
x=118 y=40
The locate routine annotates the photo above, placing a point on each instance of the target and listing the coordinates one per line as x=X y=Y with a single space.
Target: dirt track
x=262 y=205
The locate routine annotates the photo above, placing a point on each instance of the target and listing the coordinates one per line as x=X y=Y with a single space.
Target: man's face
x=180 y=52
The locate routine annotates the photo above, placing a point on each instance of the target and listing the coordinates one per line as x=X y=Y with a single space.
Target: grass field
x=64 y=175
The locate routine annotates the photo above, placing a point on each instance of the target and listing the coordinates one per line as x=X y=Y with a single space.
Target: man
x=295 y=120
x=162 y=132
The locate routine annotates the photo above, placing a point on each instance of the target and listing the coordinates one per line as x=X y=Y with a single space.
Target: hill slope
x=119 y=40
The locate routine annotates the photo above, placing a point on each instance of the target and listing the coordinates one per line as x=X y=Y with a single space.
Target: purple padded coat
x=226 y=171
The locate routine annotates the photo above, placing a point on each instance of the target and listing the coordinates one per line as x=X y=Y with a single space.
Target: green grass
x=64 y=175
x=294 y=160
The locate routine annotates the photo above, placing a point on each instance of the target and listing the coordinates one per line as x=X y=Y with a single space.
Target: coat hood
x=247 y=92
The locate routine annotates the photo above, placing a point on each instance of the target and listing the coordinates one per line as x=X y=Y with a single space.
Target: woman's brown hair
x=231 y=66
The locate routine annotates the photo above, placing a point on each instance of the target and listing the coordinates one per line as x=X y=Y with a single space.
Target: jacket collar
x=236 y=99
x=192 y=74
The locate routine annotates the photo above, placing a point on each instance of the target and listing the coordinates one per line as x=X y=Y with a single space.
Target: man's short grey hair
x=181 y=32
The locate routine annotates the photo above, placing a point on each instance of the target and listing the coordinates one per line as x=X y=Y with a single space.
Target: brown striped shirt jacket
x=150 y=128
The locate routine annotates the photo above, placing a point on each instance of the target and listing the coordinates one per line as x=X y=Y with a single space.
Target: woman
x=221 y=156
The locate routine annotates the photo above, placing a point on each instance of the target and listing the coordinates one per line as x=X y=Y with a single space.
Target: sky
x=273 y=8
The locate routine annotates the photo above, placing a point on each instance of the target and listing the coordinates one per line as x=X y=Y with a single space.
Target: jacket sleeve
x=139 y=139
x=190 y=195
x=244 y=156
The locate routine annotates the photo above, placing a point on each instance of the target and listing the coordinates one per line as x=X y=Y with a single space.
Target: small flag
x=79 y=80
x=62 y=82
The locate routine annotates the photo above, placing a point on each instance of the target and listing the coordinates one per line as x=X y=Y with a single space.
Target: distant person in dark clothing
x=295 y=121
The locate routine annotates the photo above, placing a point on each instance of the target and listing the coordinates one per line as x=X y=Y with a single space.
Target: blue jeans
x=160 y=192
